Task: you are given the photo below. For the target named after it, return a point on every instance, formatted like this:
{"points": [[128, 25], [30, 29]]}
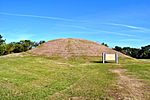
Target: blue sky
{"points": [[115, 22]]}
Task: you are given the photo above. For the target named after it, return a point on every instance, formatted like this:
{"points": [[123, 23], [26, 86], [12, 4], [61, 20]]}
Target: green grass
{"points": [[38, 78], [146, 60], [141, 69], [28, 78]]}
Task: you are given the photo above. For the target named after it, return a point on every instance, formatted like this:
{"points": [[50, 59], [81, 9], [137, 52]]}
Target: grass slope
{"points": [[30, 77], [140, 69]]}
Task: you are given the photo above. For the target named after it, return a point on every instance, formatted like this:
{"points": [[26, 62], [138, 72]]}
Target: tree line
{"points": [[16, 47], [140, 53], [25, 45]]}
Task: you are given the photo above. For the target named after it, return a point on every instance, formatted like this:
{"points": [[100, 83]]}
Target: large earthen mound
{"points": [[70, 47]]}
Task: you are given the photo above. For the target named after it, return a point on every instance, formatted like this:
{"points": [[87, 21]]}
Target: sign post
{"points": [[103, 57], [116, 57], [110, 57]]}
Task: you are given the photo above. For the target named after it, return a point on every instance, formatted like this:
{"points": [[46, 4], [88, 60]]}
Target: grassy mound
{"points": [[71, 48]]}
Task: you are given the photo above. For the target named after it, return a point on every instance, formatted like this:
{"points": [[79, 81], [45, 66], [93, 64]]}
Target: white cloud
{"points": [[131, 40], [124, 25], [130, 26], [37, 16], [117, 33]]}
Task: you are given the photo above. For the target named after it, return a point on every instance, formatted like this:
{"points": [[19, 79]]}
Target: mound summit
{"points": [[71, 47]]}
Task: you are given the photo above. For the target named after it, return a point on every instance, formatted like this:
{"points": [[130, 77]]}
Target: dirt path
{"points": [[128, 87]]}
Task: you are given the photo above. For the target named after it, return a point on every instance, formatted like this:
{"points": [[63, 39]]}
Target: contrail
{"points": [[124, 25], [131, 27], [140, 29], [117, 33], [36, 16]]}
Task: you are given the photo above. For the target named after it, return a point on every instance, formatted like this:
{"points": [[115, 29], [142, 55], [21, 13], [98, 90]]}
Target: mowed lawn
{"points": [[28, 78], [141, 69], [38, 78]]}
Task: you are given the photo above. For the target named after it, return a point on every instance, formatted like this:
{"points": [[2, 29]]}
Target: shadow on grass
{"points": [[99, 62], [96, 61]]}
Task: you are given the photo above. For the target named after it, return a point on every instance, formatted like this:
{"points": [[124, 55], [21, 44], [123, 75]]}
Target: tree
{"points": [[9, 48], [2, 45], [41, 42], [16, 47], [104, 44], [2, 49], [2, 41], [117, 48], [145, 52], [27, 44], [38, 43]]}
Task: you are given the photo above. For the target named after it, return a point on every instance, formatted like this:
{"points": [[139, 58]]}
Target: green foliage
{"points": [[26, 44], [104, 44], [2, 49], [2, 41], [8, 48], [144, 52], [38, 43], [117, 48], [2, 46], [16, 47]]}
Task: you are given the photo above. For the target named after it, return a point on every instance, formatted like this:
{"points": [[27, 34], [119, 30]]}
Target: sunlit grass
{"points": [[31, 78]]}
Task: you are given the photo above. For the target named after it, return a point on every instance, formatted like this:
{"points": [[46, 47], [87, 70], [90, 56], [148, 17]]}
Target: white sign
{"points": [[110, 57]]}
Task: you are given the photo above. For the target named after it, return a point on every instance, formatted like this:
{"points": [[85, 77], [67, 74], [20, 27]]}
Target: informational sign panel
{"points": [[109, 57]]}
